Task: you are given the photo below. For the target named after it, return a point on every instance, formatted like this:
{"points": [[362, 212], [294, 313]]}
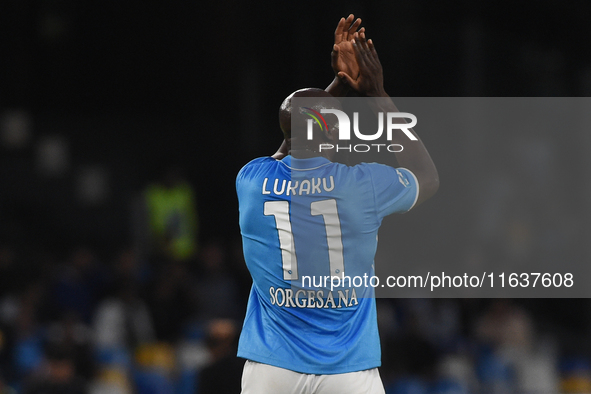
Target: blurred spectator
{"points": [[79, 284], [129, 267], [57, 377], [505, 325], [28, 344], [123, 321], [173, 300], [576, 375], [75, 337], [156, 367], [224, 374], [531, 361], [111, 381], [437, 320], [458, 371], [217, 288], [495, 374], [172, 216]]}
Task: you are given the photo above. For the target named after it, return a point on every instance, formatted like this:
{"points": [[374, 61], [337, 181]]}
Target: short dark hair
{"points": [[325, 100]]}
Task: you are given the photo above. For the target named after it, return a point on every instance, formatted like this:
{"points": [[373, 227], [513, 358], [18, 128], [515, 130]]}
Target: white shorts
{"points": [[260, 378]]}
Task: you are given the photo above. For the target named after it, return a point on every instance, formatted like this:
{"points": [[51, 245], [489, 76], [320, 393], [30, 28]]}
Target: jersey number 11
{"points": [[332, 225]]}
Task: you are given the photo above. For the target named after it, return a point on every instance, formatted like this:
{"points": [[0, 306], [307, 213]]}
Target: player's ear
{"points": [[332, 132]]}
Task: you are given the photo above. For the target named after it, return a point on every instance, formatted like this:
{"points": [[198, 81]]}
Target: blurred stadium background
{"points": [[123, 124]]}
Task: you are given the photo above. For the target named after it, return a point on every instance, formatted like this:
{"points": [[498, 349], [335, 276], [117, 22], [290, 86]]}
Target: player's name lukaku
{"points": [[305, 186], [292, 298]]}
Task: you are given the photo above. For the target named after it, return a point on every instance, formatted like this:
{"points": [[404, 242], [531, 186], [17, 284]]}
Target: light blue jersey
{"points": [[329, 215]]}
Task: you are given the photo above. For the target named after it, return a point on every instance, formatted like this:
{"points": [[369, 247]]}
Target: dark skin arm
{"points": [[370, 82], [282, 151], [342, 59]]}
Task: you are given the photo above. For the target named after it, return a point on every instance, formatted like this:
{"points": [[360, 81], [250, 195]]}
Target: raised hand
{"points": [[343, 57], [370, 80]]}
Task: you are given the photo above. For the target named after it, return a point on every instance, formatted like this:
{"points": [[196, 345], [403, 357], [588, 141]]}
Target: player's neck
{"points": [[306, 154], [303, 153]]}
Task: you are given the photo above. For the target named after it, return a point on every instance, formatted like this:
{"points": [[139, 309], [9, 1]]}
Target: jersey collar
{"points": [[305, 164]]}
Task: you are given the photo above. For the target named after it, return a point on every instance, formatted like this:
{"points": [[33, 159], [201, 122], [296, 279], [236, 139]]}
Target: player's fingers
{"points": [[373, 51], [338, 33], [334, 54], [355, 25], [363, 49], [363, 41], [347, 79], [367, 49], [370, 61], [359, 32], [372, 54], [347, 24], [353, 28], [361, 58]]}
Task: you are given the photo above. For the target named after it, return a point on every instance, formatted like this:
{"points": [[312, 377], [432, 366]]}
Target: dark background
{"points": [[134, 86]]}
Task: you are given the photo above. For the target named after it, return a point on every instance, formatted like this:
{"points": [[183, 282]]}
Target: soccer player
{"points": [[298, 341]]}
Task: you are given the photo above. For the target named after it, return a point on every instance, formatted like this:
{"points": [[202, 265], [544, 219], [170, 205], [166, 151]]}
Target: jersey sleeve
{"points": [[251, 166], [395, 189]]}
